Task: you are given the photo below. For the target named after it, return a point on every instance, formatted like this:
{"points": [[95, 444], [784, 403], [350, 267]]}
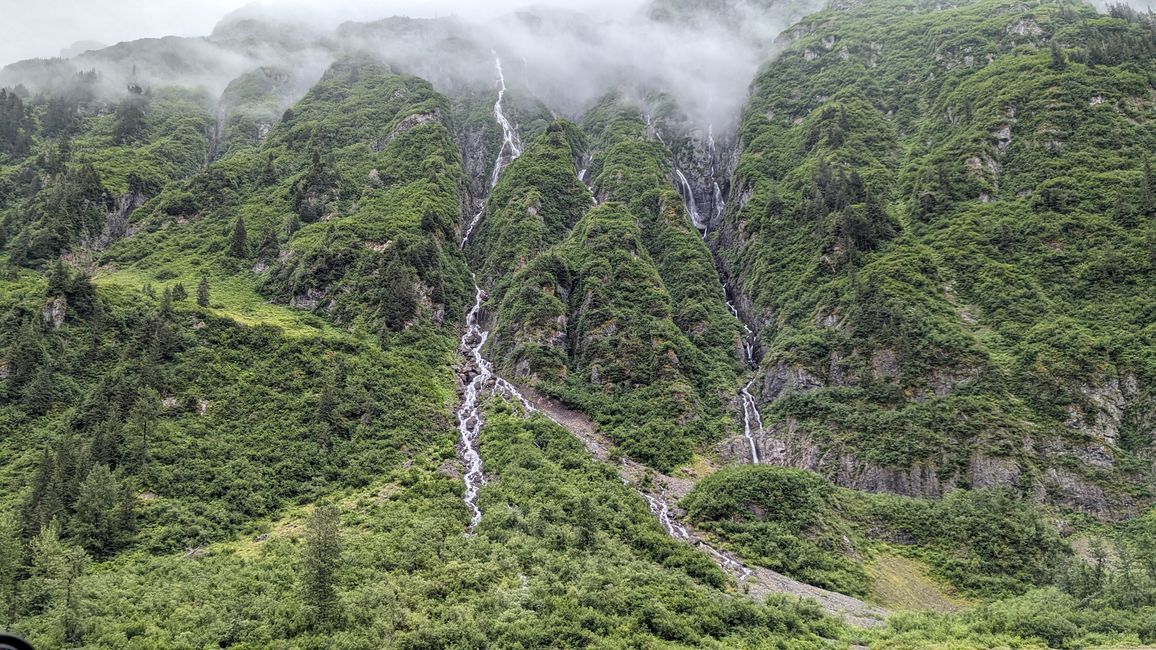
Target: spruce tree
{"points": [[321, 555], [96, 524], [46, 571], [26, 355], [141, 428], [203, 292], [41, 394], [237, 245], [179, 292], [46, 502], [11, 556]]}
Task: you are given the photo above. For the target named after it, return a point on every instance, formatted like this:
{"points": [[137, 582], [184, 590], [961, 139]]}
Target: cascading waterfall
{"points": [[470, 228], [691, 206], [510, 151], [660, 508], [470, 420], [750, 407], [511, 146], [751, 413], [749, 339], [752, 420]]}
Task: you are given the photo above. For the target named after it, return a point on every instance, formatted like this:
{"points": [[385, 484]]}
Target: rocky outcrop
{"points": [[310, 299], [116, 222], [783, 380], [54, 311], [1105, 405]]}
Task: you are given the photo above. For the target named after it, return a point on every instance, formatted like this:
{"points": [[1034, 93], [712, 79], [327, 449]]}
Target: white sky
{"points": [[42, 28]]}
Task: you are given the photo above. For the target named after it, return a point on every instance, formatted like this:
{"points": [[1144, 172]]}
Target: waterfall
{"points": [[751, 412], [469, 413], [470, 228], [510, 151], [660, 508], [691, 206], [470, 421], [511, 146]]}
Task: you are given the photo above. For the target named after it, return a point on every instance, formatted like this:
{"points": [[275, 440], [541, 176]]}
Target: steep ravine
{"points": [[659, 491], [711, 167]]}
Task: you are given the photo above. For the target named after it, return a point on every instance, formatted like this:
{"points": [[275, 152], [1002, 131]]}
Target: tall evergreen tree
{"points": [[203, 292], [41, 393], [46, 502], [141, 427], [47, 570], [96, 524], [238, 246], [321, 555], [11, 555]]}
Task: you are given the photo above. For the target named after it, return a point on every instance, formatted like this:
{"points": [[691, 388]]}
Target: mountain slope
{"points": [[943, 243]]}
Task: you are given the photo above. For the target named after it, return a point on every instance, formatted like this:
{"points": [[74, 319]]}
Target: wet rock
{"points": [[783, 380]]}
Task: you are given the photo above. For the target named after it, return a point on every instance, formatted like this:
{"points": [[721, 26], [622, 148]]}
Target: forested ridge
{"points": [[888, 333]]}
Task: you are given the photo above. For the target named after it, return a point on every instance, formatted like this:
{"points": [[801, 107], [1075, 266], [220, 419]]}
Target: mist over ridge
{"points": [[566, 54]]}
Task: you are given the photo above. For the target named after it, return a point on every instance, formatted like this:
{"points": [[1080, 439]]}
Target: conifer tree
{"points": [[11, 555], [321, 555], [96, 524], [203, 292], [46, 502], [41, 394], [237, 245], [46, 571], [141, 427]]}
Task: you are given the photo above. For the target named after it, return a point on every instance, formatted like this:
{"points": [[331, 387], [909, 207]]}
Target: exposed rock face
{"points": [[783, 380], [1109, 405], [116, 225], [406, 124], [1105, 405], [54, 311], [788, 445], [308, 300]]}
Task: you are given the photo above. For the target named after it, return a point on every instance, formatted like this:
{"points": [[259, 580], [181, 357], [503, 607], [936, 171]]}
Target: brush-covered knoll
{"points": [[566, 555], [249, 107], [348, 207], [610, 344], [631, 164], [1031, 584], [940, 226], [985, 543], [150, 425], [378, 203]]}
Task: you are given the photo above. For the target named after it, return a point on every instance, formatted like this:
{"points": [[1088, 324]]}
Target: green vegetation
{"points": [[612, 308], [229, 330], [981, 544], [944, 220]]}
